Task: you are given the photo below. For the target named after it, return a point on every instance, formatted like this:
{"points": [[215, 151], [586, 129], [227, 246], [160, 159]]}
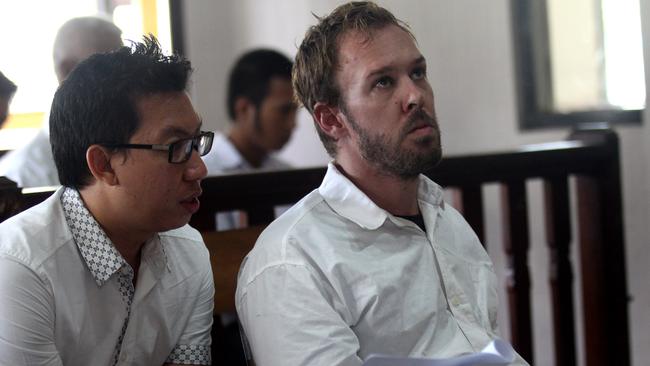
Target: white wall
{"points": [[468, 48]]}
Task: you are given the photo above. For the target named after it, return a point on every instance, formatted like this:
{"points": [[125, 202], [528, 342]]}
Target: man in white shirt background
{"points": [[32, 164], [106, 271], [263, 114], [262, 110], [261, 106], [373, 261]]}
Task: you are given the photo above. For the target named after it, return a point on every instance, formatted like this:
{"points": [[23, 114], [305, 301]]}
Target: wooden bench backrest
{"points": [[227, 250]]}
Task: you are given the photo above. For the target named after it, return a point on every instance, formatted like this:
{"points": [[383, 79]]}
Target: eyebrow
{"points": [[174, 131], [386, 69]]}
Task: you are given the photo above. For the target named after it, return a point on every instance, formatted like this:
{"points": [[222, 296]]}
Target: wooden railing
{"points": [[591, 157]]}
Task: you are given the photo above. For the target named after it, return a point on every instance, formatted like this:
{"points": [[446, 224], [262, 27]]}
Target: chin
{"points": [[173, 224]]}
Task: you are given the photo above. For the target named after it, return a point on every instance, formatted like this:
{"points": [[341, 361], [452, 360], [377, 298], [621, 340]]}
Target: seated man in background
{"points": [[32, 165], [373, 261], [263, 113], [7, 91], [106, 271]]}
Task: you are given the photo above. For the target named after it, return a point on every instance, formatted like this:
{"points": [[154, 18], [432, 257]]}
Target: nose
{"points": [[195, 169], [414, 96]]}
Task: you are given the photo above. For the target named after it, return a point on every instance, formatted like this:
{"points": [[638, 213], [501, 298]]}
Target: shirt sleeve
{"points": [[193, 347], [26, 318], [290, 319]]}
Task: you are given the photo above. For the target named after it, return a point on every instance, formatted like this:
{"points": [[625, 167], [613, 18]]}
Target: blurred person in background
{"points": [[7, 91], [32, 165], [263, 114]]}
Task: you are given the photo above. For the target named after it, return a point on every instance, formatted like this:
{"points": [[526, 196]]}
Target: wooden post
{"points": [[472, 209], [602, 253], [516, 243], [558, 234]]}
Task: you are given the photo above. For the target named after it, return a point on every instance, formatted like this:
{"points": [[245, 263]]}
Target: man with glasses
{"points": [[107, 271]]}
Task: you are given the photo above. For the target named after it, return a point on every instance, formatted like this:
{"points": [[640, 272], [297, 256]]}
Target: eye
{"points": [[419, 73], [384, 82]]}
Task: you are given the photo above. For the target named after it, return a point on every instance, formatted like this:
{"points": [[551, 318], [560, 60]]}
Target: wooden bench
{"points": [[590, 157]]}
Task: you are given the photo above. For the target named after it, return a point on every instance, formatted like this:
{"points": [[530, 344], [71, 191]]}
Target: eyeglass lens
{"points": [[182, 150]]}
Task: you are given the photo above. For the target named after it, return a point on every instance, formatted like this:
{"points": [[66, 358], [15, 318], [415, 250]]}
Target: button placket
{"points": [[125, 280]]}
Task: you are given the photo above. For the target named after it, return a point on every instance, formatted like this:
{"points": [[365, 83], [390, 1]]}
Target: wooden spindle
{"points": [[472, 209], [516, 243], [558, 234]]}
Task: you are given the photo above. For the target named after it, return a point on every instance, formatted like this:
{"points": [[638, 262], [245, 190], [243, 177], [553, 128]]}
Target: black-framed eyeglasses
{"points": [[179, 151]]}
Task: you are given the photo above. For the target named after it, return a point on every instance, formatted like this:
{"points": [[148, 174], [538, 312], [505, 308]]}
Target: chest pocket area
{"points": [[473, 284]]}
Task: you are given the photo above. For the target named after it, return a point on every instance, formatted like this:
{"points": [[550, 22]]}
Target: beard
{"points": [[392, 157]]}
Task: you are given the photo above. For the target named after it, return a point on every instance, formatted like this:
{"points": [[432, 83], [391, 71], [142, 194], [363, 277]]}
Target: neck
{"points": [[394, 194], [242, 141], [127, 240]]}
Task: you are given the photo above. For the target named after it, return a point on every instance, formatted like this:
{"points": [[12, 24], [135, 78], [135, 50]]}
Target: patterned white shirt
{"points": [[337, 278], [67, 295]]}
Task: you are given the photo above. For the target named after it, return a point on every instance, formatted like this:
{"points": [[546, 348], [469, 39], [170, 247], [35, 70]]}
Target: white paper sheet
{"points": [[497, 353]]}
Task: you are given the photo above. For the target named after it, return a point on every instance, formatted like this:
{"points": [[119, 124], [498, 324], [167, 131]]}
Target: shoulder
{"points": [[223, 156], [184, 239], [289, 240], [275, 163]]}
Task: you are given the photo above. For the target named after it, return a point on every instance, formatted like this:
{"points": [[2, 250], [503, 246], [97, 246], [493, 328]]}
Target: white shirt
{"points": [[31, 165], [337, 278], [67, 298], [224, 158]]}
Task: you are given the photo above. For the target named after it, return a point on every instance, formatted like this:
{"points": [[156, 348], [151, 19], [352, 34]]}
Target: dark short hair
{"points": [[97, 102], [7, 87], [251, 75], [314, 74]]}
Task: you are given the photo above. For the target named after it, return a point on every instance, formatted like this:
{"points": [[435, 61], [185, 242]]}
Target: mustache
{"points": [[419, 118]]}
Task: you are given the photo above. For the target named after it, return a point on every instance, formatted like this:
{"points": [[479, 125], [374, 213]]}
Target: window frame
{"points": [[529, 26]]}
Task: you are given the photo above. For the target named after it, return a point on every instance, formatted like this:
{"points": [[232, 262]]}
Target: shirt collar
{"points": [[229, 156], [97, 250], [350, 202]]}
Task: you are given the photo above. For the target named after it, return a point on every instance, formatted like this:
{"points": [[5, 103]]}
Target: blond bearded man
{"points": [[373, 261]]}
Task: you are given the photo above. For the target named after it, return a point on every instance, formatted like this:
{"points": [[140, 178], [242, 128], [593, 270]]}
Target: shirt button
{"points": [[455, 301]]}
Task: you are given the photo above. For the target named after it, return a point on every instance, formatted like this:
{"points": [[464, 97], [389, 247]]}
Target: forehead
{"points": [[165, 115], [384, 47], [279, 88]]}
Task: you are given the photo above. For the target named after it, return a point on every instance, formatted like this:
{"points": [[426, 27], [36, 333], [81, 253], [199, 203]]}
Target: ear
{"points": [[329, 120], [244, 109], [98, 159]]}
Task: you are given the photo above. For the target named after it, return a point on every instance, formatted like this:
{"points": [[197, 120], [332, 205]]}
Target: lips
{"points": [[419, 120], [191, 203], [420, 127]]}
